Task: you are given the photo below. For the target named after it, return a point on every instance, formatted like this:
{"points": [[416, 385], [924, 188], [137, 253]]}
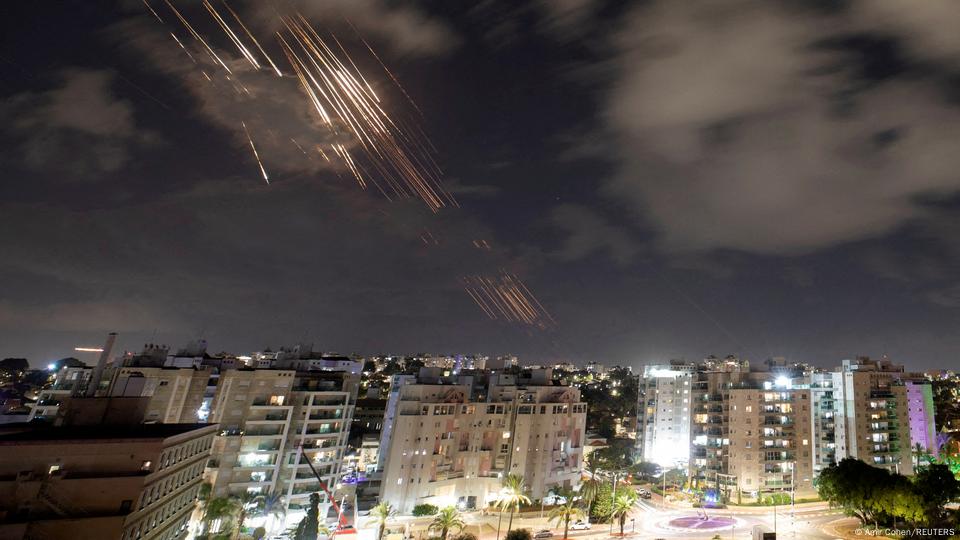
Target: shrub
{"points": [[465, 536], [421, 510], [518, 534], [259, 533], [602, 505]]}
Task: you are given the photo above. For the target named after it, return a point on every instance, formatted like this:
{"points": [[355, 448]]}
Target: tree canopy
{"points": [[875, 495]]}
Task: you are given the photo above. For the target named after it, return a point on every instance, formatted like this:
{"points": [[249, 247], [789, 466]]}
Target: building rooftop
{"points": [[18, 433]]}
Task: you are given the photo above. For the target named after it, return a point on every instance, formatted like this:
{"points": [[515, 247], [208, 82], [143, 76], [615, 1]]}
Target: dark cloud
{"points": [[405, 29], [728, 135], [588, 233], [79, 127], [233, 257], [672, 179]]}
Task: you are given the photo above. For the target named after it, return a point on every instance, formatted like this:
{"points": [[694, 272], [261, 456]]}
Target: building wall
{"points": [[175, 393], [447, 449], [876, 420], [253, 409], [663, 415], [770, 442], [67, 382], [920, 412], [103, 488], [165, 503], [272, 422]]}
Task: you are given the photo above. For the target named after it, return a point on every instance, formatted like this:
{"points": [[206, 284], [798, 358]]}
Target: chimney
{"points": [[94, 384]]}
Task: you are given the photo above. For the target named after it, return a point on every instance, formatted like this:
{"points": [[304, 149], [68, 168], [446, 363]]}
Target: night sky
{"points": [[672, 179]]}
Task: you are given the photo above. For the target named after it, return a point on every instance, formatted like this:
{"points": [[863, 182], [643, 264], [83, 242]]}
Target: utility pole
{"points": [[613, 500], [663, 494], [774, 516], [793, 500]]}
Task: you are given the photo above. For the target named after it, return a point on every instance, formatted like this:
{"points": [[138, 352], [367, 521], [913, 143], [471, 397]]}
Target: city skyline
{"points": [[89, 353], [661, 195]]}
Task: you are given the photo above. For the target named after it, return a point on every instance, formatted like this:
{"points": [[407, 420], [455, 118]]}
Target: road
{"points": [[650, 520]]}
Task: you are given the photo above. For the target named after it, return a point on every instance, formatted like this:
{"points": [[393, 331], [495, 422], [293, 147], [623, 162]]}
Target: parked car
{"points": [[581, 525], [644, 493], [545, 533]]}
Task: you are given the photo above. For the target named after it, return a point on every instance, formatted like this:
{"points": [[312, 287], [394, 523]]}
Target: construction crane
{"points": [[342, 525]]}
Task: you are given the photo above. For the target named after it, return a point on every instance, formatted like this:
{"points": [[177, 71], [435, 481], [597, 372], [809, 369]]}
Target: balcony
{"points": [[777, 484], [264, 402], [326, 415], [443, 476]]}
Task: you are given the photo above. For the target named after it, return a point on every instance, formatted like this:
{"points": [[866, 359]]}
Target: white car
{"points": [[581, 525], [543, 534]]}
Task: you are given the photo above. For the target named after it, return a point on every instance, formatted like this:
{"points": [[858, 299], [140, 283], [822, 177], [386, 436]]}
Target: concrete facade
{"points": [[271, 423], [90, 482], [445, 448]]}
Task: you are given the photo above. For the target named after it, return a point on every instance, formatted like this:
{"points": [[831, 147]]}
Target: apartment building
{"points": [[94, 482], [876, 416], [774, 428], [445, 445], [920, 416], [272, 422], [174, 383], [67, 382], [826, 414], [175, 394], [663, 413], [770, 438]]}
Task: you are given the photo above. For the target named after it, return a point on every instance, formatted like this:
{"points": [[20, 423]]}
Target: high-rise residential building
{"points": [[877, 423], [397, 382], [826, 413], [663, 413], [272, 422], [770, 440], [445, 445], [774, 428], [94, 482], [920, 415]]}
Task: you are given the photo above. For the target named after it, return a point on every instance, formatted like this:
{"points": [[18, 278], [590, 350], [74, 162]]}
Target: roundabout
{"points": [[699, 523]]}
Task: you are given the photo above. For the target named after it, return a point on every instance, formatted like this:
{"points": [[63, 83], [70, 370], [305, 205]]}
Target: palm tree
{"points": [[622, 506], [448, 518], [219, 508], [272, 507], [246, 501], [380, 514], [511, 496], [567, 511], [921, 457], [590, 488]]}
